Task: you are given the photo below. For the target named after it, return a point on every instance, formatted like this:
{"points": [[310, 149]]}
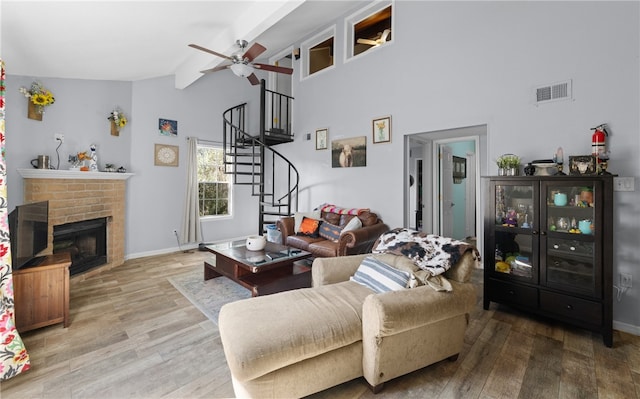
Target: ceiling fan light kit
{"points": [[242, 70]]}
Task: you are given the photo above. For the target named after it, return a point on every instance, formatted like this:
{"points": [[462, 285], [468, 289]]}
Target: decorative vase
{"points": [[114, 129], [34, 111], [529, 170], [512, 171]]}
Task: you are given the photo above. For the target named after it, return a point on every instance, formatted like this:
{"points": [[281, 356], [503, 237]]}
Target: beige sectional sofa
{"points": [[296, 343]]}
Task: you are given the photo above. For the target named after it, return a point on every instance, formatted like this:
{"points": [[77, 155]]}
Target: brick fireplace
{"points": [[78, 196]]}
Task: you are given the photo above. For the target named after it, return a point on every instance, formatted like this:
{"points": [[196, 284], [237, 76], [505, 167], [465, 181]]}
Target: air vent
{"points": [[553, 92]]}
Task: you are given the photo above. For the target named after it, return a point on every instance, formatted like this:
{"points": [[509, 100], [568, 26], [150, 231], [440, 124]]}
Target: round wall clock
{"points": [[166, 155]]}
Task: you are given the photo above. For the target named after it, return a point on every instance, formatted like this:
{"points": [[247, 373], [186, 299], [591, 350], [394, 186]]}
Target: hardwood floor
{"points": [[132, 334]]}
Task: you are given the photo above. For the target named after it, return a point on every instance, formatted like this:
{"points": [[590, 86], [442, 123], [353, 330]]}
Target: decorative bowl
{"points": [[256, 243]]}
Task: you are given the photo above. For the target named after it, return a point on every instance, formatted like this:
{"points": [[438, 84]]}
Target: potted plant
{"points": [[508, 165]]}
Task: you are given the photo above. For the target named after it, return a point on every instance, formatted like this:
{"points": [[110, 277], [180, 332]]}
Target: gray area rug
{"points": [[208, 296]]}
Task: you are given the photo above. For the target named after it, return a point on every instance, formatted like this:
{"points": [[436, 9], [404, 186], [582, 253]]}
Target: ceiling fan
{"points": [[376, 42], [241, 61]]}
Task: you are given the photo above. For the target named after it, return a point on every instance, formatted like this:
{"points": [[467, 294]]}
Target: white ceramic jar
{"points": [[256, 243]]}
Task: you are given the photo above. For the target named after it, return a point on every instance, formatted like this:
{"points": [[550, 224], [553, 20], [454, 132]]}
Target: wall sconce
{"points": [[296, 53]]}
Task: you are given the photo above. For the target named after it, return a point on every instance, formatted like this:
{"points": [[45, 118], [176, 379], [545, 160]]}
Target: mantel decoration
{"points": [[38, 98], [508, 165], [118, 121], [78, 161]]}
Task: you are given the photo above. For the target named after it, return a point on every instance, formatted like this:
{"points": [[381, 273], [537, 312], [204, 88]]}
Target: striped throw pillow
{"points": [[380, 277]]}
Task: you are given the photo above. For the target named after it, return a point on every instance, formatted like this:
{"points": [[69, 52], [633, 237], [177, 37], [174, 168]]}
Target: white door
{"points": [[446, 191]]}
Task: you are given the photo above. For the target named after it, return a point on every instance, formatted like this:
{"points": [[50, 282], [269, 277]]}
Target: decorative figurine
{"points": [[93, 159]]}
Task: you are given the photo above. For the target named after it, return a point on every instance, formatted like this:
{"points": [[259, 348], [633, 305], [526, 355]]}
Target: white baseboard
{"points": [[185, 247], [628, 328]]}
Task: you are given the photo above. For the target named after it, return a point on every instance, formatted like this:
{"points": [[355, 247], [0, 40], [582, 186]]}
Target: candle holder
{"points": [[558, 158]]}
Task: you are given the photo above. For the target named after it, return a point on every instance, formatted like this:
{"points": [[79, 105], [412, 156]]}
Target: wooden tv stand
{"points": [[41, 293]]}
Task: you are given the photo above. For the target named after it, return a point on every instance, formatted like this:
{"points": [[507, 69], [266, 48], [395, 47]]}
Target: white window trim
{"points": [[209, 218], [314, 41], [364, 13]]}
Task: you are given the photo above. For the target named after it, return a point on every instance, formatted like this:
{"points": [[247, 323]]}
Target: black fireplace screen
{"points": [[85, 241]]}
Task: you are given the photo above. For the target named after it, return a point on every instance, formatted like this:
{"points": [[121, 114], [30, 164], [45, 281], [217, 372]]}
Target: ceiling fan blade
{"points": [[385, 34], [254, 51], [218, 68], [273, 68], [253, 79], [367, 41], [206, 50]]}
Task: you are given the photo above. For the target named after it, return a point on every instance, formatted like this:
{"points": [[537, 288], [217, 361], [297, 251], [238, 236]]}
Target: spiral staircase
{"points": [[253, 161]]}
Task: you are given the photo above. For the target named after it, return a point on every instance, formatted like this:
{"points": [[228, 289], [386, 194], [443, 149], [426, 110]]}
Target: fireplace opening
{"points": [[85, 241]]}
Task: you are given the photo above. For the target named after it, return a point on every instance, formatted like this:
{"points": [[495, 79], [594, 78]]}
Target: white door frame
{"points": [[479, 133]]}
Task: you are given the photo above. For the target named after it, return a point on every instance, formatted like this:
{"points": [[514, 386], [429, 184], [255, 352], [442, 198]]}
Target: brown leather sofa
{"points": [[358, 241]]}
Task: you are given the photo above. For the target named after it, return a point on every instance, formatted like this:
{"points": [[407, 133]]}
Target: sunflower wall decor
{"points": [[38, 98]]}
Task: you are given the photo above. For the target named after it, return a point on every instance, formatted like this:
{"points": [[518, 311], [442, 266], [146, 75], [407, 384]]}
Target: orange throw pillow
{"points": [[309, 227]]}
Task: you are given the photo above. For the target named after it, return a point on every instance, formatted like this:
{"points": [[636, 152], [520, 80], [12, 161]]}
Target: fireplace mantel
{"points": [[71, 174]]}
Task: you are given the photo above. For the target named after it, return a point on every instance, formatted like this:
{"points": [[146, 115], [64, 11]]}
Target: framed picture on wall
{"points": [[381, 130], [165, 155], [167, 127], [347, 153], [321, 139]]}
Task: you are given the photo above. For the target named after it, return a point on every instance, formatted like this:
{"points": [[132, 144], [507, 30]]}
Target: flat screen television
{"points": [[29, 233]]}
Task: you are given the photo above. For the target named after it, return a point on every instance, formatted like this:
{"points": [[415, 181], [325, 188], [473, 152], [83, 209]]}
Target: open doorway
{"points": [[280, 82], [448, 199]]}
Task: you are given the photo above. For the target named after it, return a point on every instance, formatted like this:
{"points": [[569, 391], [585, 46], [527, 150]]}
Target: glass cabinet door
{"points": [[515, 231], [570, 223]]}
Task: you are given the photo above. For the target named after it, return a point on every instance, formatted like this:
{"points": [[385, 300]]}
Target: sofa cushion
{"points": [[330, 231], [332, 218], [303, 242], [368, 218], [352, 224], [323, 248], [309, 227], [298, 216], [462, 270], [335, 322], [399, 262], [380, 277]]}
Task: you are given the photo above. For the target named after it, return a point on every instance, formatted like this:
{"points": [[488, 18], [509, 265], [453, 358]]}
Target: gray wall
{"points": [[456, 64], [156, 193]]}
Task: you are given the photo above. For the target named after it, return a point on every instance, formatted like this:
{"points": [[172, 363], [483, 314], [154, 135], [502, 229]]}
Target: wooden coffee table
{"points": [[262, 272]]}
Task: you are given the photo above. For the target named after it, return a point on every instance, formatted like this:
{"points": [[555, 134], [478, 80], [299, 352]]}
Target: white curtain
{"points": [[191, 231]]}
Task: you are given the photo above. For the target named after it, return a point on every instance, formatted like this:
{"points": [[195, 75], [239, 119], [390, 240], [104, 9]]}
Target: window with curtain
{"points": [[214, 185]]}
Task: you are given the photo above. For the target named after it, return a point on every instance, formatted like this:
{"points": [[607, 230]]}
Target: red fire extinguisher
{"points": [[598, 140]]}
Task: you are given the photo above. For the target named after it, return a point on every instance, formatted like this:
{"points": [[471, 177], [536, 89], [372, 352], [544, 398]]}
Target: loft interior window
{"points": [[318, 52], [368, 29], [321, 56]]}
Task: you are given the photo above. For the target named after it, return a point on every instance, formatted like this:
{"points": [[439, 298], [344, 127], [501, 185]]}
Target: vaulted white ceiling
{"points": [[133, 40]]}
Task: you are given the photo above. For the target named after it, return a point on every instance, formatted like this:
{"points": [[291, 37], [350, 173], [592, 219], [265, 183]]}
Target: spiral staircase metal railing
{"points": [[253, 161]]}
